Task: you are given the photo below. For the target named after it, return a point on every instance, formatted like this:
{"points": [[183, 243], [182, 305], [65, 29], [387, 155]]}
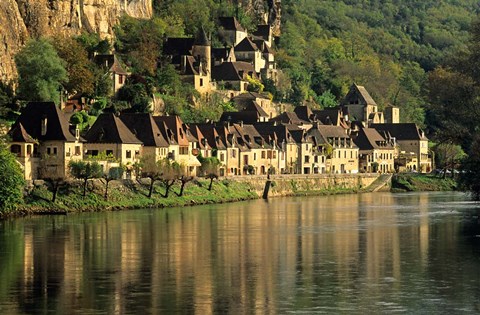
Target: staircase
{"points": [[382, 181]]}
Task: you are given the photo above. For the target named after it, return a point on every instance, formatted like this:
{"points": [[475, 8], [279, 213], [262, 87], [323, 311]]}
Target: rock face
{"points": [[266, 11], [21, 19]]}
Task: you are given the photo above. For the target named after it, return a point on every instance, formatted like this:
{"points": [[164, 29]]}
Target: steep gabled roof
{"points": [[212, 136], [19, 134], [175, 124], [263, 30], [404, 131], [253, 106], [178, 46], [108, 128], [358, 95], [112, 62], [246, 45], [304, 113], [370, 139], [248, 117], [233, 71], [230, 23], [289, 118], [201, 39], [145, 129], [34, 114]]}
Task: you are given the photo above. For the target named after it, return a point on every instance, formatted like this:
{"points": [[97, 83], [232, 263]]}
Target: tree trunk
{"points": [[55, 190], [211, 183], [180, 194], [168, 185], [106, 189], [85, 187], [150, 192]]}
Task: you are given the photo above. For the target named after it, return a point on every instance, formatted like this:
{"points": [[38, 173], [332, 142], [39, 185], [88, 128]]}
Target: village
{"points": [[260, 138]]}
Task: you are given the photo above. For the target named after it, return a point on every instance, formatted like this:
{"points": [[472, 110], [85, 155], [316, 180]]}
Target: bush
{"points": [[11, 181]]}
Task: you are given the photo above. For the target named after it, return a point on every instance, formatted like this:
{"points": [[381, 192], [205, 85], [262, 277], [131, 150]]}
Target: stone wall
{"points": [[288, 185]]}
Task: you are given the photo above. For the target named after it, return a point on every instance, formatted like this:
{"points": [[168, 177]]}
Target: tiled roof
{"points": [[112, 62], [369, 139], [233, 71], [57, 125], [246, 45], [404, 131], [263, 30], [19, 134], [248, 117], [108, 128], [230, 23], [145, 129], [358, 92]]}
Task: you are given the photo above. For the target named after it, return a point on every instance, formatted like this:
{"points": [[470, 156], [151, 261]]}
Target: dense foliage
{"points": [[11, 181]]}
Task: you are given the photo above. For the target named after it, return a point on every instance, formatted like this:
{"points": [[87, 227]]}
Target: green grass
{"points": [[69, 198], [421, 182]]}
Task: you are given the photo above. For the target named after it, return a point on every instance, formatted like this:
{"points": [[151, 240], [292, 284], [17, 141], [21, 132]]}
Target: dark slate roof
{"points": [[253, 106], [31, 120], [112, 62], [370, 139], [201, 39], [280, 132], [212, 136], [176, 126], [221, 53], [248, 117], [404, 131], [175, 46], [108, 128], [145, 129], [19, 134], [332, 131], [330, 116], [263, 30], [246, 45], [230, 23], [232, 71], [304, 113], [360, 94], [263, 47], [288, 118]]}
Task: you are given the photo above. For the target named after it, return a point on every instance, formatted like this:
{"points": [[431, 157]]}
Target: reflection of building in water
{"points": [[381, 237]]}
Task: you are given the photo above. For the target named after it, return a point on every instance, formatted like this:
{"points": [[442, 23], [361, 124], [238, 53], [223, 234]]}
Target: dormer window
{"points": [[44, 126]]}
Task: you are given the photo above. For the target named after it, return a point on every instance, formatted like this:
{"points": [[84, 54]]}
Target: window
{"points": [[201, 82], [315, 159], [263, 154], [109, 152], [129, 154], [274, 154], [234, 153], [77, 150], [183, 150], [29, 149], [254, 156], [222, 157], [137, 153], [16, 149], [269, 154], [120, 79], [69, 152], [307, 159]]}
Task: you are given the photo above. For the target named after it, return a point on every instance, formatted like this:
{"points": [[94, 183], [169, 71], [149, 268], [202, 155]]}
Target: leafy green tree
{"points": [[41, 72], [80, 68], [114, 173], [11, 181], [209, 168], [85, 171]]}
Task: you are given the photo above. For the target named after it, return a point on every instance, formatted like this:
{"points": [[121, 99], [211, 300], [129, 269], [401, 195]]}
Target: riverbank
{"points": [[123, 195], [126, 194], [422, 182]]}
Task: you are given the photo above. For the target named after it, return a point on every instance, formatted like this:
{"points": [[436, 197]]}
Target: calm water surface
{"points": [[353, 254]]}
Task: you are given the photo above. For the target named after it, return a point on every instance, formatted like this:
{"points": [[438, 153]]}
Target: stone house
{"points": [[248, 51], [110, 138], [413, 146], [114, 67], [233, 76], [231, 31], [44, 142], [360, 106], [376, 151]]}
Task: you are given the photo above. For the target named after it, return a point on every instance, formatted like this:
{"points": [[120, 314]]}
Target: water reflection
{"points": [[371, 252]]}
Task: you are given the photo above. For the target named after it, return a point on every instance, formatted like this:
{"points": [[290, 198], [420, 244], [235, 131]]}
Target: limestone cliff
{"points": [[21, 19]]}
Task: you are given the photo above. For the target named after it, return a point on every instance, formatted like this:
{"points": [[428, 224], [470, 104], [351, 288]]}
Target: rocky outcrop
{"points": [[21, 19]]}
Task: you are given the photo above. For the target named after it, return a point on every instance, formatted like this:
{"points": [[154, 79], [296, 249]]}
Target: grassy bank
{"points": [[129, 195], [421, 182]]}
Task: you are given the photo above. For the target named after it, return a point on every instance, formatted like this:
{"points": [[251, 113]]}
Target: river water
{"points": [[413, 253]]}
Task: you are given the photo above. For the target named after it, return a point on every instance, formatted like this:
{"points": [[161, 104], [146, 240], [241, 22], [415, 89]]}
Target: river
{"points": [[412, 253]]}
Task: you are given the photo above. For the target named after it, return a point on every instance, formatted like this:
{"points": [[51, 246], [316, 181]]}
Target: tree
{"points": [[448, 155], [41, 72], [80, 69], [85, 171], [183, 178], [209, 168], [150, 169], [170, 171], [11, 181], [52, 178], [114, 173]]}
